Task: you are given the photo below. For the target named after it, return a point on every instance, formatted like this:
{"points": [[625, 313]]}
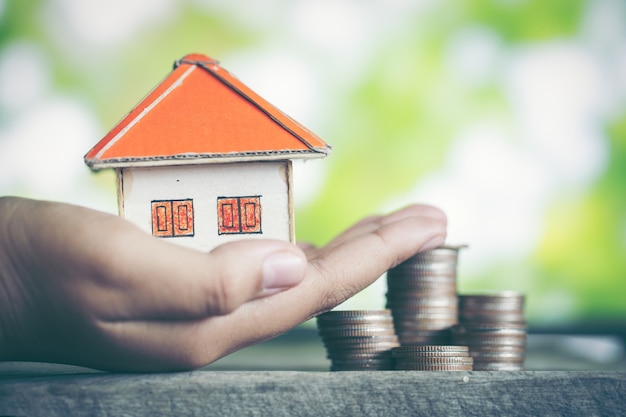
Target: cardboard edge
{"points": [[290, 202], [96, 165], [120, 191]]}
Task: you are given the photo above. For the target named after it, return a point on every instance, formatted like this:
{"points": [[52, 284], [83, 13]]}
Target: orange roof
{"points": [[199, 114]]}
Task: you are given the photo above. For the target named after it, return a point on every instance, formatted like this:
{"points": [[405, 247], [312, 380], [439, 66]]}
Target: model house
{"points": [[203, 160]]}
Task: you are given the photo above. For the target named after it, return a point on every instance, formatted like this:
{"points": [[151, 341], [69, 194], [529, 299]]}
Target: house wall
{"points": [[203, 184]]}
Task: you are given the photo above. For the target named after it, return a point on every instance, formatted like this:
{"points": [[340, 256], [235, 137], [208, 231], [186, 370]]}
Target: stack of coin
{"points": [[494, 328], [432, 358], [498, 307], [358, 339], [422, 295]]}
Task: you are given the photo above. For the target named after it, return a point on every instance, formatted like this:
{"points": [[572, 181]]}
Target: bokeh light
{"points": [[510, 115]]}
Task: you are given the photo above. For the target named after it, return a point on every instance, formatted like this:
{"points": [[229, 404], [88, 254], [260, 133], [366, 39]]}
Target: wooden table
{"points": [[61, 391], [287, 377]]}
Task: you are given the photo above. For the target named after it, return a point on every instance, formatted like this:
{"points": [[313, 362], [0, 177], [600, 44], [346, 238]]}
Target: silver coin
{"points": [[447, 291], [378, 321], [513, 350], [373, 327], [409, 339], [422, 275], [342, 316], [425, 324], [361, 341], [436, 360], [414, 314], [471, 317], [485, 342], [432, 367], [408, 309], [359, 355], [511, 329], [502, 301], [431, 348], [350, 331]]}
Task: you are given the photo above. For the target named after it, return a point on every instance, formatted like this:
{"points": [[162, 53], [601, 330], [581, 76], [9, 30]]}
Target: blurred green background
{"points": [[510, 115]]}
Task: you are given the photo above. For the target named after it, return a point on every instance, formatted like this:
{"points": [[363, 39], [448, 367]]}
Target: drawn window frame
{"points": [[239, 215], [173, 218]]}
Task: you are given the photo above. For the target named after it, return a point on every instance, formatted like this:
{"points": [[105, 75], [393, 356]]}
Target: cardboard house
{"points": [[203, 160]]}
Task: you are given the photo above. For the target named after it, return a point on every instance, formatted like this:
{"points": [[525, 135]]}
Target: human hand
{"points": [[83, 287]]}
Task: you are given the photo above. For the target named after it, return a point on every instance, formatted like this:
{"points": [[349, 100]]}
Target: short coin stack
{"points": [[432, 358], [358, 339], [422, 295], [494, 329]]}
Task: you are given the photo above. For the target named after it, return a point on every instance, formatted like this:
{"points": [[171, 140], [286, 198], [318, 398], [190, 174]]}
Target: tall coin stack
{"points": [[432, 358], [358, 339], [422, 296], [494, 329]]}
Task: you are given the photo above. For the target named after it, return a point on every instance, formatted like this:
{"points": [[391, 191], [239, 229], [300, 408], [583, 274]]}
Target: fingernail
{"points": [[433, 243], [283, 270]]}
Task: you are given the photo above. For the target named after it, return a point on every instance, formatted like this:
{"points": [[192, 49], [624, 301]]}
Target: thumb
{"points": [[209, 284], [249, 269]]}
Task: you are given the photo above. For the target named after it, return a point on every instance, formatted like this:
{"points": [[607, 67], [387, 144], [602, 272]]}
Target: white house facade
{"points": [[203, 206]]}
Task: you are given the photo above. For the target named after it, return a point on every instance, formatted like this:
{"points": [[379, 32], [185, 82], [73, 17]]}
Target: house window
{"points": [[239, 215], [172, 218]]}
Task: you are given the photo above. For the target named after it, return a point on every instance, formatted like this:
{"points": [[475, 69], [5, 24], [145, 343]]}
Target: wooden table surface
{"points": [[289, 377], [298, 393]]}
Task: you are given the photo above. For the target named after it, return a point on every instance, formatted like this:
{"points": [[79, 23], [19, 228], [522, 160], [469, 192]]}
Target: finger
{"points": [[370, 224], [153, 279], [307, 247], [374, 252]]}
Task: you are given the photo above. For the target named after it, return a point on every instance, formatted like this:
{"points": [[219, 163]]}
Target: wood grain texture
{"points": [[397, 393]]}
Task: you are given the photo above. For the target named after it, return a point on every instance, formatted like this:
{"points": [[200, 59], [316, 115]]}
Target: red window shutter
{"points": [[228, 217], [182, 213], [162, 218], [250, 214]]}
